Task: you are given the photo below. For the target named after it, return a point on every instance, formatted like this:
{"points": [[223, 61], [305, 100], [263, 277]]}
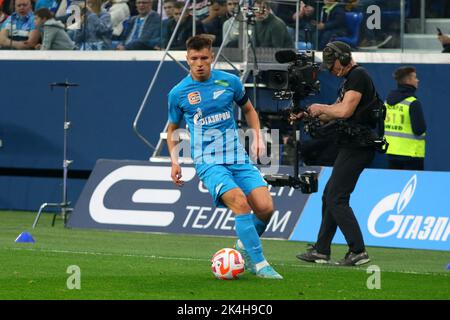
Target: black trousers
{"points": [[336, 211]]}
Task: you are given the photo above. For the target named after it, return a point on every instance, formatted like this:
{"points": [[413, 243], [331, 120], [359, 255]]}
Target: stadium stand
{"points": [[353, 21]]}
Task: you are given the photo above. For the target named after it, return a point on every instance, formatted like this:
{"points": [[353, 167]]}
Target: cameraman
{"points": [[356, 96]]}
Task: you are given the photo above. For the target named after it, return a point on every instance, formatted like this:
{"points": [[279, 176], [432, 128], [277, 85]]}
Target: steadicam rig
{"points": [[299, 81]]}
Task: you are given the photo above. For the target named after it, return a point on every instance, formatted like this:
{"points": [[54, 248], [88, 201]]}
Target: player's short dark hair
{"points": [[402, 73], [199, 42], [44, 13]]}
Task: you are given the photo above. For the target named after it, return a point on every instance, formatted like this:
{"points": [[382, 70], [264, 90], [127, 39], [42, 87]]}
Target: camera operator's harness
{"points": [[352, 134]]}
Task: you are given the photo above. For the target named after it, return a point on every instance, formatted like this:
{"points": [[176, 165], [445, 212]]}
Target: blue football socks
{"points": [[246, 232], [259, 225]]}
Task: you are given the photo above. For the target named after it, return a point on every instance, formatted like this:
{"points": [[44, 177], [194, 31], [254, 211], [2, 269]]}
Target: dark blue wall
{"points": [[103, 109]]}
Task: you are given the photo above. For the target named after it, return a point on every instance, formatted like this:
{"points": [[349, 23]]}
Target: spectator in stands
{"points": [[53, 33], [270, 31], [233, 36], [351, 5], [185, 28], [144, 30], [232, 8], [168, 8], [445, 40], [96, 28], [287, 12], [201, 9], [119, 12], [9, 6], [3, 14], [19, 30], [332, 22], [213, 23], [52, 5], [405, 124]]}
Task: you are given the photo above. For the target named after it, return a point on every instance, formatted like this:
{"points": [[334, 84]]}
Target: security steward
{"points": [[357, 95], [405, 125]]}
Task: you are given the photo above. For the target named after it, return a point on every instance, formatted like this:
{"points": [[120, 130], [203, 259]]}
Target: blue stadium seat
{"points": [[353, 21], [392, 15]]}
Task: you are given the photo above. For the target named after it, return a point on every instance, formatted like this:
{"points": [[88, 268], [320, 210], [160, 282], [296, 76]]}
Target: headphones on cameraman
{"points": [[343, 57]]}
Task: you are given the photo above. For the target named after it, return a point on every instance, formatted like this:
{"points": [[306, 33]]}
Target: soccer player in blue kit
{"points": [[205, 99]]}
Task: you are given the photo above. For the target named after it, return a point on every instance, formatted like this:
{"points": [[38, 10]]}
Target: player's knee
{"points": [[240, 204], [264, 209]]}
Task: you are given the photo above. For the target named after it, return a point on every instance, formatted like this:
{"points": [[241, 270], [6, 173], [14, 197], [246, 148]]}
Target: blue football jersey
{"points": [[208, 109]]}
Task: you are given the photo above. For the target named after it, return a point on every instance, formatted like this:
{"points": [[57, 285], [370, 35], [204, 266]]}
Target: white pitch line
{"points": [[207, 260], [106, 254]]}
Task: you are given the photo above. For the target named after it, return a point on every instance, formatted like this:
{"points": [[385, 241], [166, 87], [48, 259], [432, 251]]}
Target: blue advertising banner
{"points": [[405, 209], [140, 196]]}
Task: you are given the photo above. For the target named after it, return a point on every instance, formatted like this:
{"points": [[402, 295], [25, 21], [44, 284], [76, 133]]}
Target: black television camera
{"points": [[301, 78], [299, 81]]}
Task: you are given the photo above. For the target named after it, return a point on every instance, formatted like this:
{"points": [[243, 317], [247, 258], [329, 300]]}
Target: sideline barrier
{"points": [[394, 208], [404, 209], [140, 196]]}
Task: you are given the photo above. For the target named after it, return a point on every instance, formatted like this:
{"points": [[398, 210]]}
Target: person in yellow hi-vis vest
{"points": [[405, 124]]}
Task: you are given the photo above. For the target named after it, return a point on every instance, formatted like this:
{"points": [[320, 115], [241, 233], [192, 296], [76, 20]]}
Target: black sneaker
{"points": [[354, 259], [311, 255]]}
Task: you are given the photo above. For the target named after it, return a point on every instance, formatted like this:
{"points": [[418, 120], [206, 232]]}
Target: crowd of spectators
{"points": [[149, 24]]}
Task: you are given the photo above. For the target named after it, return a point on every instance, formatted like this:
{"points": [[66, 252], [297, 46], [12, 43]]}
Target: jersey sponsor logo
{"points": [[194, 97], [198, 115], [406, 226], [199, 120], [217, 94]]}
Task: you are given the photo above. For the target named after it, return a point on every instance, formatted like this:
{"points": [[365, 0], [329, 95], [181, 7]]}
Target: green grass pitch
{"points": [[129, 265]]}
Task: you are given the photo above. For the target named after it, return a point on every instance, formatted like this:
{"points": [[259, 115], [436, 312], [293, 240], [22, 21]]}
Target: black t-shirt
{"points": [[359, 80]]}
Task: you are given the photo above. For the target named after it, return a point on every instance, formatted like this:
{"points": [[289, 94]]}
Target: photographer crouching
{"points": [[352, 115]]}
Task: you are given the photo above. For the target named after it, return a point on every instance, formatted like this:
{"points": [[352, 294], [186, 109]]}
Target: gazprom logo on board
{"points": [[394, 208], [391, 215]]}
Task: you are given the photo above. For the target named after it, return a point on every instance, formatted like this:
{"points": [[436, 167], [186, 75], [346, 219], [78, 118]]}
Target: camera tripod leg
{"points": [[41, 208], [66, 213], [54, 218]]}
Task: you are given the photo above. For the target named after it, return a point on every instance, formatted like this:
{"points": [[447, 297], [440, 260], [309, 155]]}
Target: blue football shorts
{"points": [[221, 178]]}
